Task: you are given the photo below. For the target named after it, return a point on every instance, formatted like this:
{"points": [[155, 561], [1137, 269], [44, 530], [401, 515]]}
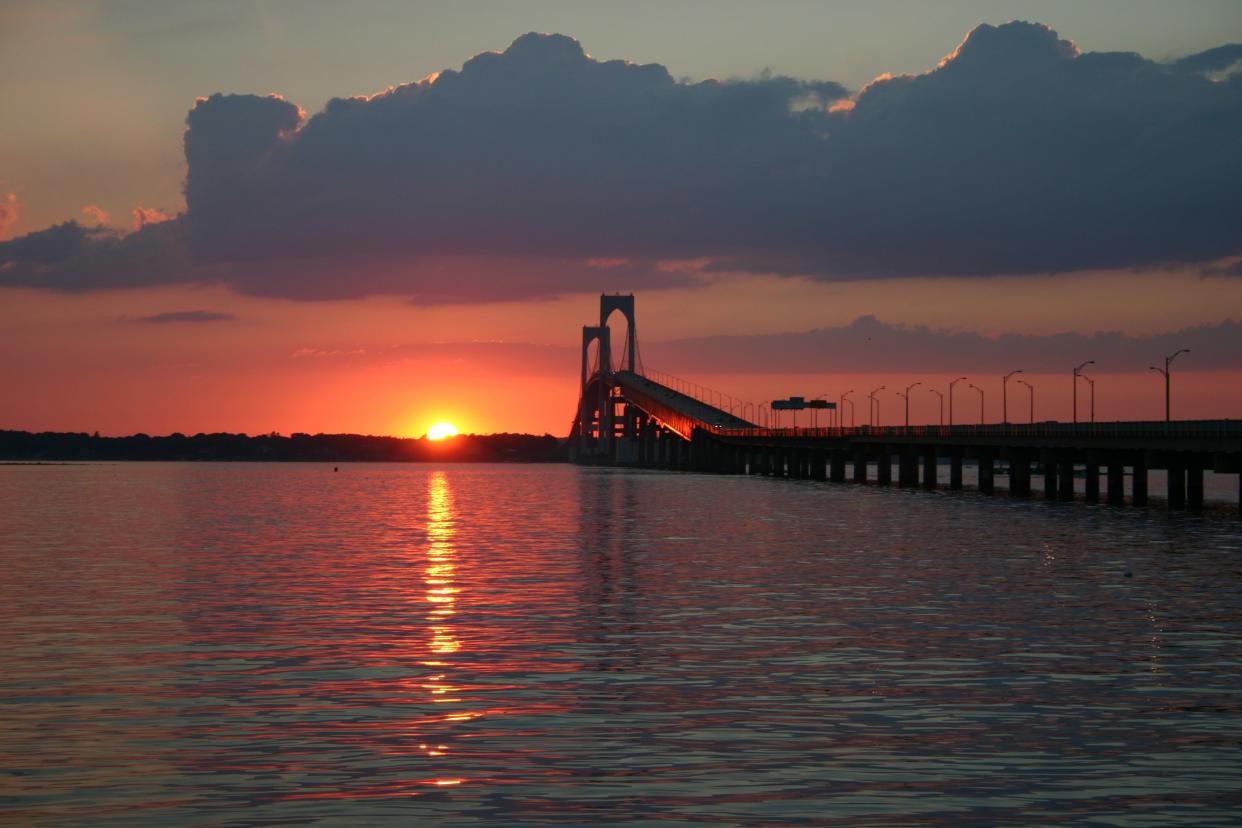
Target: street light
{"points": [[875, 405], [1091, 383], [1005, 395], [980, 390], [951, 384], [1030, 388], [941, 396], [1077, 374], [1167, 362], [905, 395], [841, 411]]}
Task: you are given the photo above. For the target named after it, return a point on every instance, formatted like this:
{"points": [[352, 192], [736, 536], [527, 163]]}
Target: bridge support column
{"points": [[955, 469], [1065, 469], [1116, 483], [930, 469], [1091, 482], [1049, 461], [1194, 485], [1138, 483], [819, 465], [837, 474], [1177, 485], [907, 469], [1019, 473], [987, 472], [884, 467], [860, 465]]}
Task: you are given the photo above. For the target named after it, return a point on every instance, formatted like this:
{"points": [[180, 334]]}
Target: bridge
{"points": [[628, 415]]}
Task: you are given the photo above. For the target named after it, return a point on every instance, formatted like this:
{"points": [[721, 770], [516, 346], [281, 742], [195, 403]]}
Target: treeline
{"points": [[477, 448]]}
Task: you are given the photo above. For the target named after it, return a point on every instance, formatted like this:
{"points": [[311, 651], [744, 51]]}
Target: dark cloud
{"points": [[186, 316], [869, 345], [73, 257], [1016, 154], [1213, 61]]}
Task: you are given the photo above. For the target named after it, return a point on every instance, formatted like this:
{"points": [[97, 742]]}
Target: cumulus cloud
{"points": [[95, 213], [540, 170], [149, 215], [186, 316], [870, 345]]}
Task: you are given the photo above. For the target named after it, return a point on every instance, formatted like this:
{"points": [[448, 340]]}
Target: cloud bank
{"points": [[518, 174], [868, 345]]}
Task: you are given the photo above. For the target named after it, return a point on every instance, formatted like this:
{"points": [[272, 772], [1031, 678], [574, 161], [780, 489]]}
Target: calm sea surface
{"points": [[237, 644]]}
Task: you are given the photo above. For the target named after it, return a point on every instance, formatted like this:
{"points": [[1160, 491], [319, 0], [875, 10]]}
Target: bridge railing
{"points": [[1183, 429], [745, 409]]}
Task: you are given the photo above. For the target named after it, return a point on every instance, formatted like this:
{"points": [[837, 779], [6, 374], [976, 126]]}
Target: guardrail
{"points": [[1178, 429]]}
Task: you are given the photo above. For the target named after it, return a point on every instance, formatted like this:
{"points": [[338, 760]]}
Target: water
{"points": [[236, 644]]}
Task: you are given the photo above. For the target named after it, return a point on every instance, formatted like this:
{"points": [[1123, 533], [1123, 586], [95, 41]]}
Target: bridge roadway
{"points": [[658, 426]]}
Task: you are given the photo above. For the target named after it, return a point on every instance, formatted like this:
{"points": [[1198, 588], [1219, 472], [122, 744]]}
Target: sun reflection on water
{"points": [[438, 576]]}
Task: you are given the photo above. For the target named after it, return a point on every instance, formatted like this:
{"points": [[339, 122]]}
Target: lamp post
{"points": [[1077, 374], [941, 396], [980, 390], [1030, 388], [875, 406], [1005, 395], [1091, 383], [841, 410], [951, 384], [1165, 372], [905, 395]]}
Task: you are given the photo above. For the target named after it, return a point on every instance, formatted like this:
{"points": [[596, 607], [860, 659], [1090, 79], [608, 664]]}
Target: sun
{"points": [[441, 430]]}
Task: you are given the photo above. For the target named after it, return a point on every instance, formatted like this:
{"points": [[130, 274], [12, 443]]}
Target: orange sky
{"points": [[381, 365]]}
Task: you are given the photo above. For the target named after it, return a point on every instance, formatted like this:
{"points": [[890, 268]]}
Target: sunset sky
{"points": [[370, 217]]}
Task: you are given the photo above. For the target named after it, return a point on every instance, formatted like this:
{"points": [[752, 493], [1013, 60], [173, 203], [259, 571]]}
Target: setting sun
{"points": [[441, 430]]}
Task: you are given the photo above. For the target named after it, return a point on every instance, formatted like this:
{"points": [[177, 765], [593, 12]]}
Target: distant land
{"points": [[326, 448]]}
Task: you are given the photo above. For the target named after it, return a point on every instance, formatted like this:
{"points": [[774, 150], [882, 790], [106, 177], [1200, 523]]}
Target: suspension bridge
{"points": [[629, 415]]}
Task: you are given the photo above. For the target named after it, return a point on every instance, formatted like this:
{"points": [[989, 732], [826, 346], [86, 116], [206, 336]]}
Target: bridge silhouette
{"points": [[629, 415]]}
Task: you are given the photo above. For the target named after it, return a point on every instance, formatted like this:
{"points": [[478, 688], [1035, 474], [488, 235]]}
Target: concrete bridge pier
{"points": [[1194, 485], [1116, 484], [837, 472], [1065, 471], [819, 465], [884, 467], [860, 464], [1019, 473], [1138, 483], [955, 469], [1049, 461], [907, 467], [1177, 485], [987, 472], [930, 469], [1091, 480]]}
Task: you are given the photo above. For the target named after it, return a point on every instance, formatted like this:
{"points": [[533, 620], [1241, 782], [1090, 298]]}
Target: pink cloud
{"points": [[148, 215], [95, 213]]}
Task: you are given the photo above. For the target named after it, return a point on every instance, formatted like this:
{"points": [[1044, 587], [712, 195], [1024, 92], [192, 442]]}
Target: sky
{"points": [[311, 217]]}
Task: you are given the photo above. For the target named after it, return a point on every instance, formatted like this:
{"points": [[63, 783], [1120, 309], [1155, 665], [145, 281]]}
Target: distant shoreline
{"points": [[25, 448]]}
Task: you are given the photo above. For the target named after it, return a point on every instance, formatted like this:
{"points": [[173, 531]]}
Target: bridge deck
{"points": [[703, 415]]}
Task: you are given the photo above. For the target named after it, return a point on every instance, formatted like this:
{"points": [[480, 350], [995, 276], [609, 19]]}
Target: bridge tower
{"points": [[597, 416], [592, 405], [624, 303]]}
